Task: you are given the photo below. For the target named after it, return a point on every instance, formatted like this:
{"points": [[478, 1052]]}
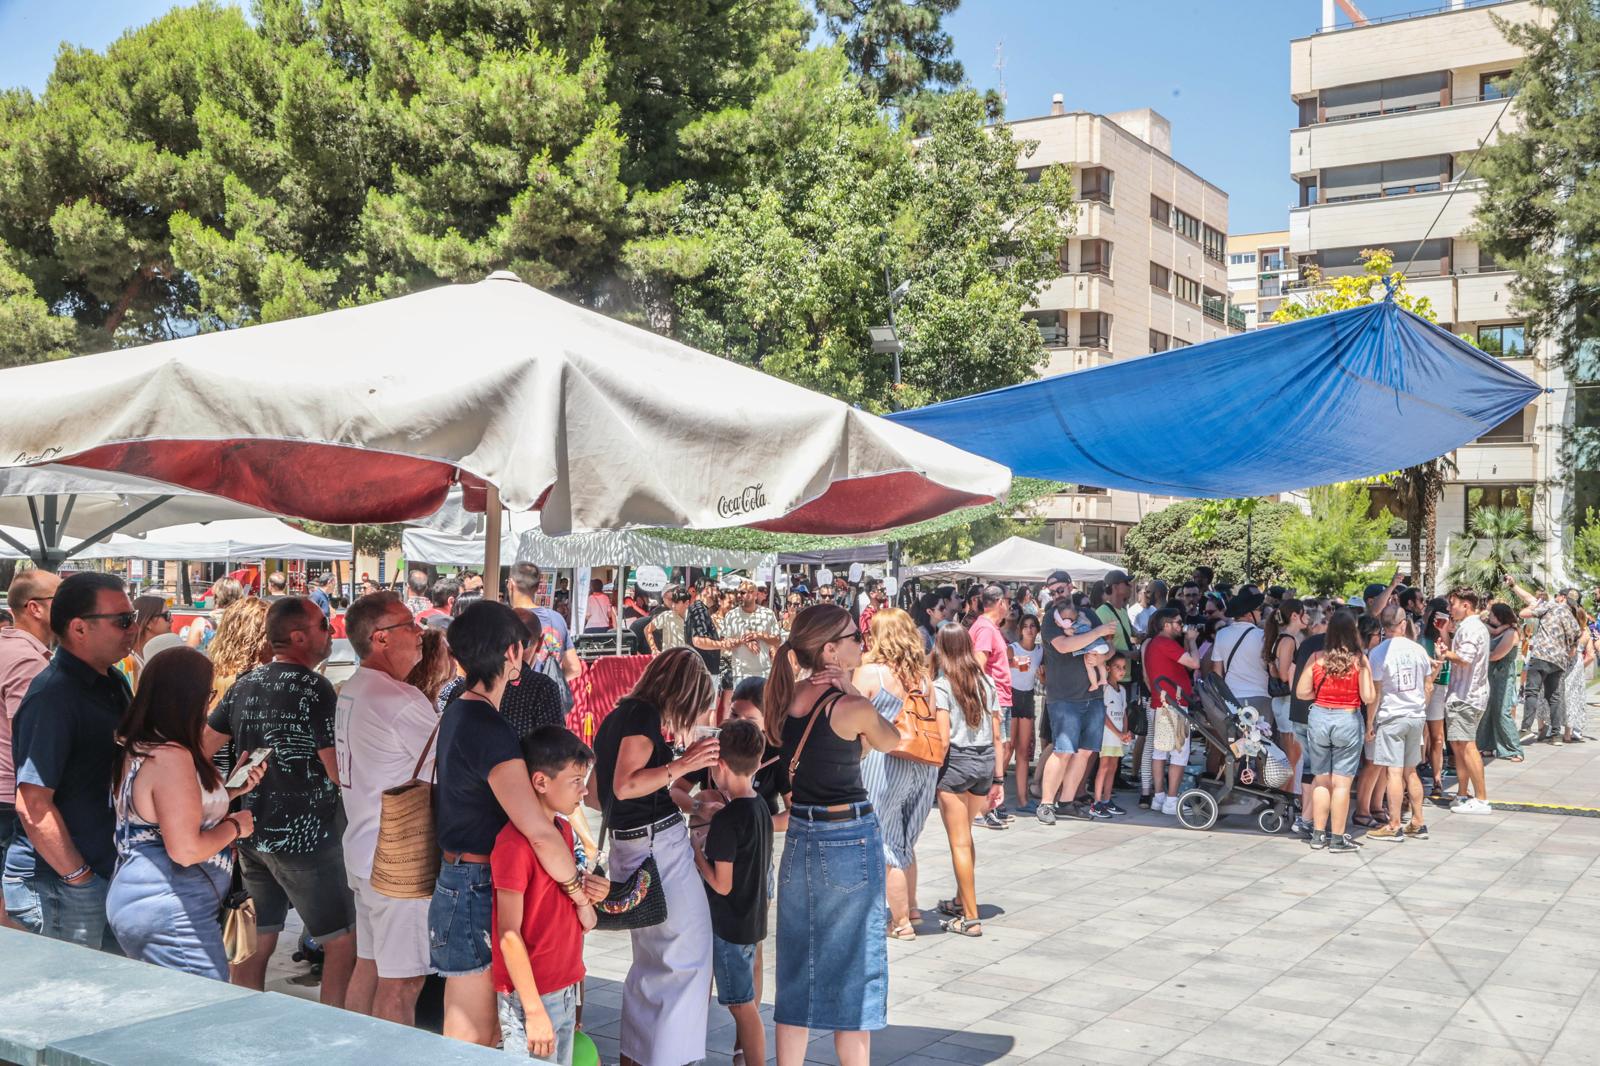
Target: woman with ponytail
{"points": [[1285, 623], [833, 967], [974, 772]]}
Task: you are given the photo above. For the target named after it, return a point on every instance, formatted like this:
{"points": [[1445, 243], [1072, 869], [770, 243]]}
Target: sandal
{"points": [[1365, 821], [914, 914], [962, 926], [951, 907], [1513, 758], [904, 932]]}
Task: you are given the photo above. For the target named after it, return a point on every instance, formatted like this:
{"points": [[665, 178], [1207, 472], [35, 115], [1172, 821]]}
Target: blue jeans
{"points": [[734, 966], [459, 919], [75, 913], [16, 858], [562, 1007], [1076, 725], [833, 959]]}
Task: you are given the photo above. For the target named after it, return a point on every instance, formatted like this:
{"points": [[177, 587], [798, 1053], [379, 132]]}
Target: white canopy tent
{"points": [[225, 541], [1018, 559]]}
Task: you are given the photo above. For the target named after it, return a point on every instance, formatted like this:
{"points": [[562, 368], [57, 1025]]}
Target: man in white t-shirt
{"points": [[1236, 653], [383, 737], [1468, 699], [1403, 676]]}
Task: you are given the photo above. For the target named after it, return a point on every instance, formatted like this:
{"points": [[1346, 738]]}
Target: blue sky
{"points": [[1219, 71]]}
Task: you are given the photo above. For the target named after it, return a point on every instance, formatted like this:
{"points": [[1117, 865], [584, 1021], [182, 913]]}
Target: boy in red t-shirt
{"points": [[538, 942]]}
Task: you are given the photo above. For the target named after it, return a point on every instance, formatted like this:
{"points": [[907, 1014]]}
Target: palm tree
{"points": [[1419, 488], [1497, 541]]}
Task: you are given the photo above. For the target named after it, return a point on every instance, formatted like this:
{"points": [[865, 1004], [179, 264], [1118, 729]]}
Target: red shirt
{"points": [[987, 638], [866, 626], [1165, 673], [1330, 691], [550, 924]]}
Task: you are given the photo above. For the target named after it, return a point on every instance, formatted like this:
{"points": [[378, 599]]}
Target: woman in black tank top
{"points": [[833, 967]]}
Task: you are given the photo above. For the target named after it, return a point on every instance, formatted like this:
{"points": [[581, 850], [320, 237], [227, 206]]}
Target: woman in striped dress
{"points": [[902, 791]]}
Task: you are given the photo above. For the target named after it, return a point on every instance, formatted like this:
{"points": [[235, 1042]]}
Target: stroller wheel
{"points": [[1270, 820], [1197, 809]]}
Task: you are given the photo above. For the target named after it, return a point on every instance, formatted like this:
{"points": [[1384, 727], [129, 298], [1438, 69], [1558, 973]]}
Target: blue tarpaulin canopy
{"points": [[1342, 396]]}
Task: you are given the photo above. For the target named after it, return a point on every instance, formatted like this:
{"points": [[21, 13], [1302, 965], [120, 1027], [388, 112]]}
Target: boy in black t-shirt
{"points": [[735, 860]]}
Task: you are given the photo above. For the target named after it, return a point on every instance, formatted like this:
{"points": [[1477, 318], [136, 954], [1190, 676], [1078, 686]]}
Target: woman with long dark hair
{"points": [[973, 772], [174, 834], [1497, 730], [643, 751], [1338, 682], [1436, 628], [833, 966], [1280, 639]]}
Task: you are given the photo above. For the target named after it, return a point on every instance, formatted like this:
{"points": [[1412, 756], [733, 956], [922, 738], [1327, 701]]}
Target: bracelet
{"points": [[79, 872], [574, 887], [238, 830]]}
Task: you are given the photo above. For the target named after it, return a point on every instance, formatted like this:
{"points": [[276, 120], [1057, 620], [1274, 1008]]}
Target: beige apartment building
{"points": [[1391, 112], [1145, 271], [1262, 273]]}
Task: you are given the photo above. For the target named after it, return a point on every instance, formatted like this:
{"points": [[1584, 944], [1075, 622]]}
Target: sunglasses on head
{"points": [[120, 619]]}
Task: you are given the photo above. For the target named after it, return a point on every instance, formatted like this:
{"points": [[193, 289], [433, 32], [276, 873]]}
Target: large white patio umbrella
{"points": [[1020, 559], [54, 513], [598, 424], [225, 541]]}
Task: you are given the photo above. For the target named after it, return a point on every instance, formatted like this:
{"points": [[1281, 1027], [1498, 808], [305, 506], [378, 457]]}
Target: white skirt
{"points": [[668, 991]]}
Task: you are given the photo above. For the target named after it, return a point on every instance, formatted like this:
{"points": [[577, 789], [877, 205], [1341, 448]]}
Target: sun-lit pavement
{"points": [[1137, 941]]}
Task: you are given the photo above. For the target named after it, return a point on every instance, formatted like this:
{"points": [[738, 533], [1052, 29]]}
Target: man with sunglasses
{"points": [[64, 742], [294, 857], [24, 653]]}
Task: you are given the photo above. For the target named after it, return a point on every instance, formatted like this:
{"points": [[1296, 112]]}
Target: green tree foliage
{"points": [[898, 47], [1163, 545], [787, 272], [1330, 550], [1584, 550], [370, 540], [1418, 487], [1497, 541]]}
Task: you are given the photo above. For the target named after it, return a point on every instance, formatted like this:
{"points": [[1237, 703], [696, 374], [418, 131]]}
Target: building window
{"points": [[1501, 497], [1426, 259], [1512, 431], [1094, 183], [1094, 257], [1159, 342], [1412, 92], [1270, 286], [1186, 289], [1052, 330], [1308, 192], [1160, 277], [1496, 85], [1214, 243], [1094, 330], [1272, 261], [1394, 177], [1091, 490], [1506, 341], [1099, 538], [1180, 343], [1160, 211], [1186, 224], [1241, 258]]}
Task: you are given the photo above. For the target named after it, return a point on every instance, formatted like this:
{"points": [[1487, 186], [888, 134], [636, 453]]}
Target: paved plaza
{"points": [[1137, 941]]}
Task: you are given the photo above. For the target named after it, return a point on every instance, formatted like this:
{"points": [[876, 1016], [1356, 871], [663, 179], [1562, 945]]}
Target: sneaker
{"points": [[1004, 815], [1387, 832], [1171, 806], [1046, 813], [1460, 802], [1111, 805], [1158, 802], [989, 820], [1473, 806], [1078, 812], [1417, 832], [1302, 828], [1342, 842], [1319, 839], [1145, 802], [1097, 811]]}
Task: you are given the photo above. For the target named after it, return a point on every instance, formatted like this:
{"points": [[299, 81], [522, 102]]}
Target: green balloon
{"points": [[584, 1053]]}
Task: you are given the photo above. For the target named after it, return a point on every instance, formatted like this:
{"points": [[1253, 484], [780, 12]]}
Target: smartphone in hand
{"points": [[241, 773]]}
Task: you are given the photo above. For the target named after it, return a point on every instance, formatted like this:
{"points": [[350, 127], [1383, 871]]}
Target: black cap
{"points": [[1373, 591], [1244, 603], [1058, 576], [1117, 577]]}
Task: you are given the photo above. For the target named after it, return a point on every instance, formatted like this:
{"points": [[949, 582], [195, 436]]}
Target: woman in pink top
{"points": [[600, 614]]}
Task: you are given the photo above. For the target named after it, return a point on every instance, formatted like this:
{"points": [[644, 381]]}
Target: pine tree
{"points": [[898, 47]]}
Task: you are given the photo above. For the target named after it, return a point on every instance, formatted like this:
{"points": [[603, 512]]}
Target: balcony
{"points": [[1499, 460], [1075, 292], [1236, 319], [1371, 223], [1214, 308], [1068, 360], [1434, 131]]}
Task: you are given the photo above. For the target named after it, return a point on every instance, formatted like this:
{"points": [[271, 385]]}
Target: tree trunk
{"points": [[1414, 533], [8, 570], [1430, 519]]}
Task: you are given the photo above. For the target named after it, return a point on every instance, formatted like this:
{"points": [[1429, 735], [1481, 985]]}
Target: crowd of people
{"points": [[149, 777]]}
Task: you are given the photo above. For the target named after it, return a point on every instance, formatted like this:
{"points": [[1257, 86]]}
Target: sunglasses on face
{"points": [[120, 619], [409, 623], [854, 634]]}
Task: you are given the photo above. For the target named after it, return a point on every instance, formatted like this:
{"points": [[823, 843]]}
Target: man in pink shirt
{"points": [[24, 651], [993, 652]]}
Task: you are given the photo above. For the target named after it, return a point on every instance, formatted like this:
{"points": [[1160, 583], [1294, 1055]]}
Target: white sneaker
{"points": [[1474, 806], [1170, 807], [1460, 803], [1158, 803]]}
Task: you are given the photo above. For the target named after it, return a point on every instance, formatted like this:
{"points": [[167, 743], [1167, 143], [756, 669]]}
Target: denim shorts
{"points": [[734, 966], [459, 918], [315, 885], [1076, 725], [833, 958], [562, 1007], [1333, 741]]}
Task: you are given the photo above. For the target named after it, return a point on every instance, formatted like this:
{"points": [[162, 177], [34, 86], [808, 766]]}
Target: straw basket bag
{"points": [[406, 862]]}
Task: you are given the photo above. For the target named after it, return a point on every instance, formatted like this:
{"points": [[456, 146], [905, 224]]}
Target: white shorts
{"points": [[1178, 755], [391, 932], [1435, 709]]}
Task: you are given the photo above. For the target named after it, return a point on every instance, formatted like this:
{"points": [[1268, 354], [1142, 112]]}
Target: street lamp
{"points": [[886, 339]]}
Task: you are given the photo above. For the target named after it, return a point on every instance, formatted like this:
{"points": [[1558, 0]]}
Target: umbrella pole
{"points": [[493, 515], [622, 568]]}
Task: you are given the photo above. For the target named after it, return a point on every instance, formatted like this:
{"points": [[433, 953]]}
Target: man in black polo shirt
{"points": [[64, 741]]}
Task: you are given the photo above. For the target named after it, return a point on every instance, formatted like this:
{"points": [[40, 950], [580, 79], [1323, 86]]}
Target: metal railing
{"points": [[1403, 16], [1214, 308]]}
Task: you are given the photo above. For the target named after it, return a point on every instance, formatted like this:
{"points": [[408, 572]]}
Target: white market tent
{"points": [[1019, 559], [225, 541]]}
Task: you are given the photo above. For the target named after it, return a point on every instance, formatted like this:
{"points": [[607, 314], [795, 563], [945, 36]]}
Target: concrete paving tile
{"points": [[1076, 1053], [1446, 1052], [1139, 1037]]}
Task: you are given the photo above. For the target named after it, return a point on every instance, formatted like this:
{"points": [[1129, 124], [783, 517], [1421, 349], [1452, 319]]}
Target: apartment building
{"points": [[1391, 111], [1145, 271], [1261, 274]]}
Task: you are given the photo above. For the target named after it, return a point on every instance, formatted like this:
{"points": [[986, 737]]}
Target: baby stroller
{"points": [[1253, 768]]}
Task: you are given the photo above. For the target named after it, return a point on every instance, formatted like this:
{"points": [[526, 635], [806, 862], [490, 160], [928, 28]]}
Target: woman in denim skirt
{"points": [[833, 967], [482, 783]]}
